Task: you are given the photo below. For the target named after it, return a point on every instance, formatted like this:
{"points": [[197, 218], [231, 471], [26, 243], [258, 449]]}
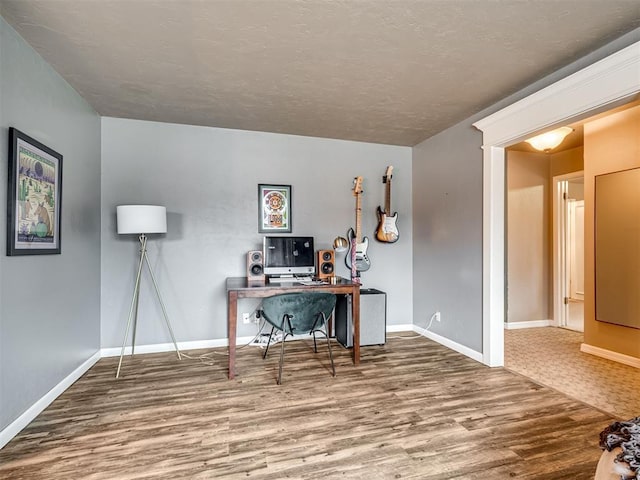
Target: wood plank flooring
{"points": [[412, 410]]}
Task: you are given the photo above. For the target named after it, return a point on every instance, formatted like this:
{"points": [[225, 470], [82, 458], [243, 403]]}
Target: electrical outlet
{"points": [[246, 318], [437, 316]]}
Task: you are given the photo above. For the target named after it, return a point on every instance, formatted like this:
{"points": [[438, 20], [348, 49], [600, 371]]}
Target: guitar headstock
{"points": [[357, 186], [387, 174]]}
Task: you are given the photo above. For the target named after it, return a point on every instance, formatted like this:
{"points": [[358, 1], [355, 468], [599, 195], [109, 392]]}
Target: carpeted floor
{"points": [[551, 356]]}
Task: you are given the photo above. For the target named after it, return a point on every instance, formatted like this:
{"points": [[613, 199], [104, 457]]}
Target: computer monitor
{"points": [[286, 255]]}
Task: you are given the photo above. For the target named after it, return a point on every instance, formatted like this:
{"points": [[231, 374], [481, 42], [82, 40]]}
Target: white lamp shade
{"points": [[139, 219]]}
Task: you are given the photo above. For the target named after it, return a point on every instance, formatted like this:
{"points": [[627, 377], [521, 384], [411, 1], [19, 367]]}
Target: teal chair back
{"points": [[296, 313], [304, 311]]}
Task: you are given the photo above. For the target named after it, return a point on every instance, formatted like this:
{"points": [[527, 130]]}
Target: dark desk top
{"points": [[241, 283]]}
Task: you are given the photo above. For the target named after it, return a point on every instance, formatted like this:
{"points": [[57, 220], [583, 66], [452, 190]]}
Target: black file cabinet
{"points": [[373, 318]]}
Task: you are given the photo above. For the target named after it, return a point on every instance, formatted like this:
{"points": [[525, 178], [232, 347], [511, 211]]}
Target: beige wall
{"points": [[528, 223], [567, 162], [530, 230], [611, 143]]}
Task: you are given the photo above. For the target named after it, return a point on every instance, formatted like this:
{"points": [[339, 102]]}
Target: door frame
{"points": [[560, 260], [605, 84]]}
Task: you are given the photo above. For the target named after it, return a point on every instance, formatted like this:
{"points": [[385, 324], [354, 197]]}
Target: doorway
{"points": [[568, 258], [608, 83]]}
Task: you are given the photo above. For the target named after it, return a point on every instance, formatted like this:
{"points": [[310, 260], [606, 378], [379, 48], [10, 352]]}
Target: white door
{"points": [[576, 250], [568, 247]]}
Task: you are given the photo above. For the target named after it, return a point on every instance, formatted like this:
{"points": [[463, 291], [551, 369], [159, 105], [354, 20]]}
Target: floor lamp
{"points": [[141, 220]]}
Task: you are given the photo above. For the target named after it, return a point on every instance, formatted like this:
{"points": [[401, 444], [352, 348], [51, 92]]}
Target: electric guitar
{"points": [[387, 230], [361, 259]]}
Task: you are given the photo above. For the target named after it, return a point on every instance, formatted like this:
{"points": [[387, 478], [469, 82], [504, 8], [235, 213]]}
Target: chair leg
{"points": [[264, 355], [319, 316], [284, 337], [333, 367]]}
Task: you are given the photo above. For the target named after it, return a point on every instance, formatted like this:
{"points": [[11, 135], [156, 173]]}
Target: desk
{"points": [[238, 287]]}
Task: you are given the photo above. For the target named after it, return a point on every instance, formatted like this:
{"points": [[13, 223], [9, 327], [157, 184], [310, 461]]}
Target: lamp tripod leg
{"points": [[134, 303], [135, 322], [164, 310]]}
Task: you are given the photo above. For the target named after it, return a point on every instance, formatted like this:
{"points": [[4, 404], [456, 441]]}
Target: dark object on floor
{"points": [[625, 435]]}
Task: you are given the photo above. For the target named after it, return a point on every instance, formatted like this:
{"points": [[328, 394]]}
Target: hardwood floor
{"points": [[412, 409]]}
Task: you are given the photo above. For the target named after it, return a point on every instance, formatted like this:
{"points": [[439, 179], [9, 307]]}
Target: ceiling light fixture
{"points": [[549, 140]]}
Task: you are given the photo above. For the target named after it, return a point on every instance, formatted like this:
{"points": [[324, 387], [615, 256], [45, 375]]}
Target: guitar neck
{"points": [[387, 199], [358, 215]]}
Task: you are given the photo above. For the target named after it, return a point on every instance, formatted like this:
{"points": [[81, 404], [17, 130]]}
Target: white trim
{"points": [[34, 410], [215, 343], [477, 356], [607, 81], [493, 220], [527, 324], [610, 81], [609, 355], [168, 347]]}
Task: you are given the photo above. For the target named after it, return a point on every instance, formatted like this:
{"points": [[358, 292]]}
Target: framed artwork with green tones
{"points": [[34, 197]]}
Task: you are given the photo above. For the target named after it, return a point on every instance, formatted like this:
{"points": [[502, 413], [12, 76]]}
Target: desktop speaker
{"points": [[326, 264], [255, 267]]}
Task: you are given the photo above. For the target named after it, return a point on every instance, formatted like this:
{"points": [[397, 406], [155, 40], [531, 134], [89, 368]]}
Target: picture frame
{"points": [[34, 197], [274, 208]]}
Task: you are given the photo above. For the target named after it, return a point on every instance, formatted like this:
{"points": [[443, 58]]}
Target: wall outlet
{"points": [[437, 316], [246, 317]]}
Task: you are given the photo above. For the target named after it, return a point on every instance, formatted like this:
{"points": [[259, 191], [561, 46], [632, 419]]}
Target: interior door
{"points": [[576, 249]]}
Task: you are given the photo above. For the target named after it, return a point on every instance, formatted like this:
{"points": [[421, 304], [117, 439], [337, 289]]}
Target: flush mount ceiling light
{"points": [[549, 140]]}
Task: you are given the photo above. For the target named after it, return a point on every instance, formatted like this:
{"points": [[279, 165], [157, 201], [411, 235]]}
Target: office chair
{"points": [[295, 313]]}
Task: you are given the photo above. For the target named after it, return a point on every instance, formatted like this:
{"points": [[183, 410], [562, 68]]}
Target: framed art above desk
{"points": [[239, 287]]}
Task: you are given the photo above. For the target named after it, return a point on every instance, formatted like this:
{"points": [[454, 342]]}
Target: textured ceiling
{"points": [[393, 72]]}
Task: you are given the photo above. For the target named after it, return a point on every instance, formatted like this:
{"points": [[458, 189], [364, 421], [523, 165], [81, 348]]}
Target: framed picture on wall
{"points": [[274, 208], [34, 197]]}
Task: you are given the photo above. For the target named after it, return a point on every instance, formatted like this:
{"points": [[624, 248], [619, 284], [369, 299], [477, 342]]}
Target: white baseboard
{"points": [[529, 324], [32, 412], [168, 347], [609, 355], [477, 356], [199, 344]]}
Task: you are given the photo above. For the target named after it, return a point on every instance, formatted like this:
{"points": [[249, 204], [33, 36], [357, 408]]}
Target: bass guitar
{"points": [[387, 230], [360, 260]]}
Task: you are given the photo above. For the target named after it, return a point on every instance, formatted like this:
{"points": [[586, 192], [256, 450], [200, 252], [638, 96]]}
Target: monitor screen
{"points": [[289, 256]]}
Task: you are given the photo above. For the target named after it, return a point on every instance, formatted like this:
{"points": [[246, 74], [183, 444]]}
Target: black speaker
{"points": [[326, 264], [255, 267]]}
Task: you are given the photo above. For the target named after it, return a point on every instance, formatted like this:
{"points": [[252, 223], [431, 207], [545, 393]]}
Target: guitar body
{"points": [[362, 262], [387, 230]]}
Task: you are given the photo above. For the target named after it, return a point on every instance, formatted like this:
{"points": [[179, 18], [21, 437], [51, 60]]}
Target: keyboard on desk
{"points": [[305, 280]]}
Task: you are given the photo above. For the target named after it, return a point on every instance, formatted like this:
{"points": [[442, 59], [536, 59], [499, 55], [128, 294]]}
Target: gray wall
{"points": [[448, 274], [207, 178], [49, 304], [447, 237]]}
